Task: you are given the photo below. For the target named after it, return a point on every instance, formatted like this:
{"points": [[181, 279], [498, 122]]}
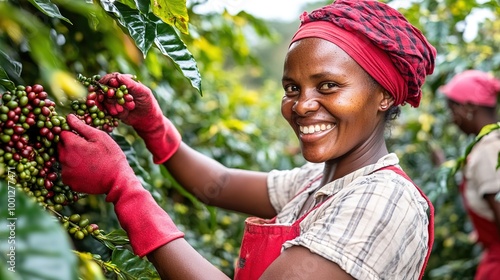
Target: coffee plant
{"points": [[30, 127]]}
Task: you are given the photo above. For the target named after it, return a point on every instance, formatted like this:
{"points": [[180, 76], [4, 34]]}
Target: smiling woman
{"points": [[324, 106], [351, 212]]}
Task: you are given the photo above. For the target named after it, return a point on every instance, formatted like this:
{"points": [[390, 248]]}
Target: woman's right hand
{"points": [[146, 107], [160, 136]]}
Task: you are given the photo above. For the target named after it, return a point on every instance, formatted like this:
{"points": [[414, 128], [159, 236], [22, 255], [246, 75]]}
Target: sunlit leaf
{"points": [[89, 269], [487, 129], [173, 12], [64, 86]]}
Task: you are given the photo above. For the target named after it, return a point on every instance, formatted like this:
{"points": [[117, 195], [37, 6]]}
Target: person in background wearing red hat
{"points": [[349, 213], [472, 99]]}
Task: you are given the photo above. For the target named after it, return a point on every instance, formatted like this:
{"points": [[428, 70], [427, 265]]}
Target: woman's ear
{"points": [[386, 101]]}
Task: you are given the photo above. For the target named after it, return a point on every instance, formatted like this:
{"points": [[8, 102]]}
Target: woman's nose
{"points": [[305, 103]]}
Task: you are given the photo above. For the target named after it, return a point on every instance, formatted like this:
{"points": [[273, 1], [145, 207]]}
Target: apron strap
{"points": [[430, 227]]}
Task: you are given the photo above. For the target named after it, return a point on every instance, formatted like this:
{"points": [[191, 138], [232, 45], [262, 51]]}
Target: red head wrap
{"points": [[380, 40]]}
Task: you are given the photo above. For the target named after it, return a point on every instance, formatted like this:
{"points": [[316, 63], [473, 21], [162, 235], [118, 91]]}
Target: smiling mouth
{"points": [[310, 129]]}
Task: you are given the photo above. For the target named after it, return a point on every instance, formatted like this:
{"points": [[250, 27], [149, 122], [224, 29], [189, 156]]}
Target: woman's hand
{"points": [[160, 136], [146, 107], [90, 158]]}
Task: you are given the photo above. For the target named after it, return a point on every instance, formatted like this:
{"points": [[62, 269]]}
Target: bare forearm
{"points": [[199, 174], [178, 260], [214, 184]]}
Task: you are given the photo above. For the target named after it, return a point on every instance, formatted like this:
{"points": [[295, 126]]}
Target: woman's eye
{"points": [[291, 90], [327, 86]]}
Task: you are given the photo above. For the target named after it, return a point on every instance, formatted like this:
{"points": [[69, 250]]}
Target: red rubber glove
{"points": [[93, 163], [160, 136]]}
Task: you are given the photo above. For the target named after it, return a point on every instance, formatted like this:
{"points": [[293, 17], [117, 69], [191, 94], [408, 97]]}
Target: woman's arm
{"points": [[298, 262], [214, 184], [178, 260]]}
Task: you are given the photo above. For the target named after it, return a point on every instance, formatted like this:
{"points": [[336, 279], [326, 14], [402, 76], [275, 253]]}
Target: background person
{"points": [[472, 99], [349, 213]]}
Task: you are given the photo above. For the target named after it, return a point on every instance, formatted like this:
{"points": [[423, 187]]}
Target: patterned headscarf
{"points": [[380, 39]]}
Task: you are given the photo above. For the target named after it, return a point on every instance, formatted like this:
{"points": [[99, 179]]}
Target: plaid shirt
{"points": [[374, 225]]}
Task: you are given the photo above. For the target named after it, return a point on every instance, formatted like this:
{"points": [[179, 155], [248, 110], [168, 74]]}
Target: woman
{"points": [[472, 99], [350, 213]]}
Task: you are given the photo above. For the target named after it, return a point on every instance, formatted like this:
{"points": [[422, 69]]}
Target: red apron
{"points": [[262, 240], [487, 235]]}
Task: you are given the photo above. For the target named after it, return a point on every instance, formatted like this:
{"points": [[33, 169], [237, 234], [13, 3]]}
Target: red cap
{"points": [[473, 86]]}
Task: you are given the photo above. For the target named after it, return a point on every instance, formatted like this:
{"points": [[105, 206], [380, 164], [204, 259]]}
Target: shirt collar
{"points": [[335, 186]]}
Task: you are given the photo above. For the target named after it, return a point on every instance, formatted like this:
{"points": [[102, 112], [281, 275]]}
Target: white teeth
{"points": [[314, 128]]}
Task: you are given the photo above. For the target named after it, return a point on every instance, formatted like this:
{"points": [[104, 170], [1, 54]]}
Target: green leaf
{"points": [[10, 64], [498, 163], [169, 43], [139, 27], [42, 48], [110, 7], [48, 8], [132, 267], [173, 12], [32, 242], [113, 239], [145, 30], [487, 129], [142, 5], [6, 274], [5, 81]]}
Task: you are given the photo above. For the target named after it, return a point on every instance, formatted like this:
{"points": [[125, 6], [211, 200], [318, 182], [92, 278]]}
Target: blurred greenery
{"points": [[33, 246], [218, 79]]}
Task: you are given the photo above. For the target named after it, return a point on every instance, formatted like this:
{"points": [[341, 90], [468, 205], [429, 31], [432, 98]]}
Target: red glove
{"points": [[93, 163], [160, 136]]}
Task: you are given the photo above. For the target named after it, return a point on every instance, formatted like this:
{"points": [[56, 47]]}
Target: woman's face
{"points": [[330, 102]]}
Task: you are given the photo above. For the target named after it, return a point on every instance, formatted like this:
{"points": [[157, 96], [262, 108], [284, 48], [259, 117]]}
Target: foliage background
{"points": [[236, 119]]}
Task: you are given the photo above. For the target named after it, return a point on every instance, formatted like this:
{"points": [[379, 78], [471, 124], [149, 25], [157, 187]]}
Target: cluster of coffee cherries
{"points": [[30, 129], [79, 227], [111, 98], [29, 133]]}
